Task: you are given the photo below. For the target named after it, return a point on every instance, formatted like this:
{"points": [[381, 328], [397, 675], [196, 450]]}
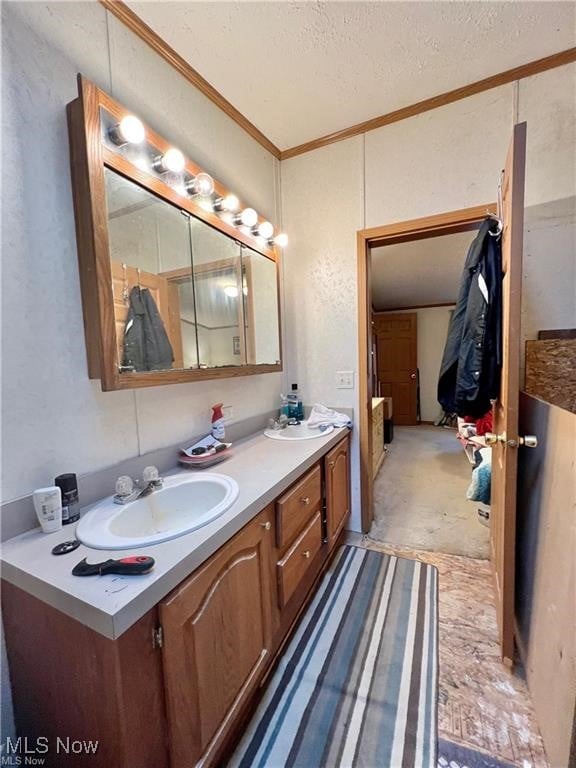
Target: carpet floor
{"points": [[357, 684], [420, 495]]}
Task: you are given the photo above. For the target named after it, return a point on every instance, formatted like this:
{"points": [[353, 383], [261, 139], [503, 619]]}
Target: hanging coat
{"points": [[146, 343], [472, 362]]}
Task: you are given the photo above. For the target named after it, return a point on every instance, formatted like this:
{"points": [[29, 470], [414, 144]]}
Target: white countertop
{"points": [[263, 469]]}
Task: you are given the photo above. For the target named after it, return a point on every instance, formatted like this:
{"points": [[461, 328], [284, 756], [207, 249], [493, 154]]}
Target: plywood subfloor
{"points": [[482, 704], [420, 495]]}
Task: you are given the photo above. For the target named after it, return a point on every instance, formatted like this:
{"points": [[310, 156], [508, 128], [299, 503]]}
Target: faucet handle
{"points": [[124, 486], [151, 476]]}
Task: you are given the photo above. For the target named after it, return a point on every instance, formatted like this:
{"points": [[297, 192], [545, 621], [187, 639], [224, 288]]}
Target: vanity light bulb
{"points": [[204, 184], [231, 291], [249, 217], [229, 203], [173, 160], [281, 240], [130, 130], [265, 230]]}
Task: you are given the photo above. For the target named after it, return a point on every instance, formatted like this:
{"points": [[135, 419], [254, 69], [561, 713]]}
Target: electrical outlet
{"points": [[228, 413], [344, 379]]}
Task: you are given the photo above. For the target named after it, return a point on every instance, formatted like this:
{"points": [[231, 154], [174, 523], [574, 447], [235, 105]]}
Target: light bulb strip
{"points": [[195, 182]]}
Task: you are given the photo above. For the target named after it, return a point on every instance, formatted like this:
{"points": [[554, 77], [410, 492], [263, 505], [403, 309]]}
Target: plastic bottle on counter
{"points": [[218, 431], [48, 505], [295, 406], [68, 485]]}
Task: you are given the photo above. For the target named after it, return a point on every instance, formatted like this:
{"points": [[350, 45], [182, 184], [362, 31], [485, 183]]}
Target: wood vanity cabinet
{"points": [[217, 641], [337, 479], [177, 687]]}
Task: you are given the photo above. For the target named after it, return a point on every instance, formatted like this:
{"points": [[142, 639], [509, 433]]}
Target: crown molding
{"points": [[494, 81], [131, 20]]}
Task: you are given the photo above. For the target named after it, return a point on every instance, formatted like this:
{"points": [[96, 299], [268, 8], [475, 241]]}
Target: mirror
{"points": [[179, 277], [186, 296], [217, 288], [149, 244], [260, 296]]}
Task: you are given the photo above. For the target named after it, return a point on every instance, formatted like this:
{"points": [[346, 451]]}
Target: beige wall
{"points": [[445, 159], [546, 571], [50, 407]]}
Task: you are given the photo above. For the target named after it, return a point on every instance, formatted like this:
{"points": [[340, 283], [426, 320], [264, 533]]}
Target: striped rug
{"points": [[357, 685]]}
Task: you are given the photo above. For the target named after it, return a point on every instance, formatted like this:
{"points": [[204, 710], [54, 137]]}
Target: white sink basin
{"points": [[183, 504], [298, 432]]}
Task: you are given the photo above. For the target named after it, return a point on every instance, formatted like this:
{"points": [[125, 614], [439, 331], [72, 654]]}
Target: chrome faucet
{"points": [[127, 490], [282, 422]]}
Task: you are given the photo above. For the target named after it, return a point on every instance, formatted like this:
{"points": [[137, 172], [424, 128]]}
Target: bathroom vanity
{"points": [[164, 670]]}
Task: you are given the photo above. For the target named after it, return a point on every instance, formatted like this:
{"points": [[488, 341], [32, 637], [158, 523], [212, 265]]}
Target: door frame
{"points": [[399, 232]]}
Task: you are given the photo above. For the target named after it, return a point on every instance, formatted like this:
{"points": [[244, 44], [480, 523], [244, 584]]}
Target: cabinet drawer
{"points": [[296, 507], [294, 566]]}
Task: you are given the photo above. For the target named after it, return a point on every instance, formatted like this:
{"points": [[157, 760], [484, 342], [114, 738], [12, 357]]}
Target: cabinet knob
{"points": [[306, 554], [267, 525], [305, 500]]}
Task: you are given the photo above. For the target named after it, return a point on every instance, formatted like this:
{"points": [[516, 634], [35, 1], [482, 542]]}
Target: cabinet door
{"points": [[337, 489], [217, 642]]}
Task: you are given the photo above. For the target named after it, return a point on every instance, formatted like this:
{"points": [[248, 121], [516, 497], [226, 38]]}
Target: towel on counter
{"points": [[321, 416], [479, 489]]}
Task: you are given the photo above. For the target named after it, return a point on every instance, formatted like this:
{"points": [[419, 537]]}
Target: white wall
{"points": [[432, 333], [54, 418], [322, 209], [445, 159]]}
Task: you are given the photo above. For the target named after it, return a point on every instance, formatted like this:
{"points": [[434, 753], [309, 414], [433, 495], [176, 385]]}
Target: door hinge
{"points": [[157, 637]]}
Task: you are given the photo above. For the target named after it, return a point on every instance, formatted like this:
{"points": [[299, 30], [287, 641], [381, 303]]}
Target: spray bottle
{"points": [[218, 431]]}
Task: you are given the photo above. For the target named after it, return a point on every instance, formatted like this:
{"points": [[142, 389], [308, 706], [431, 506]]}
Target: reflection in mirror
{"points": [[217, 291], [151, 273], [260, 295]]}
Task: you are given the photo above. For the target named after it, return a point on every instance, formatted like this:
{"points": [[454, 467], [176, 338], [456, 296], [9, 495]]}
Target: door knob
{"points": [[412, 375], [529, 441]]}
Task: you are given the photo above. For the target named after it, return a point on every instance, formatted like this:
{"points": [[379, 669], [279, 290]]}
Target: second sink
{"points": [[183, 504], [297, 432]]}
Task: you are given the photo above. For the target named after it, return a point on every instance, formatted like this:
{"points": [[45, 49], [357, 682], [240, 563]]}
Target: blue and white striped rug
{"points": [[357, 685]]}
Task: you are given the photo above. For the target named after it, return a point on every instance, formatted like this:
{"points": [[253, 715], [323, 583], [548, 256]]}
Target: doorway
{"points": [[502, 352], [420, 487], [466, 220]]}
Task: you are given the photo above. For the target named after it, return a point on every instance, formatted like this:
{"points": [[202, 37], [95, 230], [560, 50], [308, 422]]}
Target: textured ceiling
{"points": [[300, 70], [420, 272]]}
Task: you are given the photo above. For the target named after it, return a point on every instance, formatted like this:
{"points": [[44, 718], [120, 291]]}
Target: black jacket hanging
{"points": [[146, 343], [471, 365]]}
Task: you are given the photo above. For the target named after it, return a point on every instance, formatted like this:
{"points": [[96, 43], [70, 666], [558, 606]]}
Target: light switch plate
{"points": [[344, 379]]}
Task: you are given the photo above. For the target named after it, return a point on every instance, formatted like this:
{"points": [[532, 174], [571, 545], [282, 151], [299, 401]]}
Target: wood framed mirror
{"points": [[175, 288]]}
